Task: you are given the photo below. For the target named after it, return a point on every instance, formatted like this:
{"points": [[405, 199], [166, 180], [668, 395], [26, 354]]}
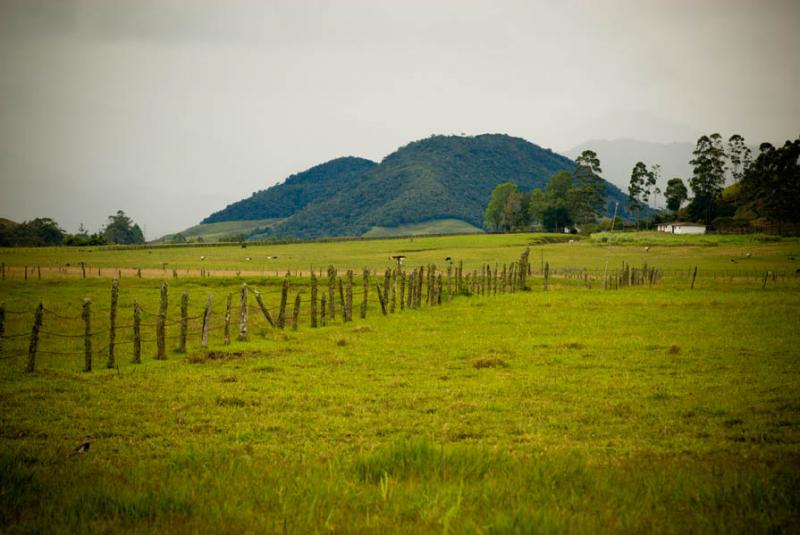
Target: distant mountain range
{"points": [[618, 156], [448, 178]]}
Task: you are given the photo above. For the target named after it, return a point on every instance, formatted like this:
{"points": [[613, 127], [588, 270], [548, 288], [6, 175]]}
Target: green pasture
{"points": [[659, 409], [711, 254]]}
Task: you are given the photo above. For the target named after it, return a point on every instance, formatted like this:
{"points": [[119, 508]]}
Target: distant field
{"points": [[440, 226], [575, 409], [712, 254], [212, 232]]}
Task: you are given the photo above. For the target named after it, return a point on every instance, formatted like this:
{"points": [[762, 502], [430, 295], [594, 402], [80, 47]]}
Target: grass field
{"points": [[657, 409]]}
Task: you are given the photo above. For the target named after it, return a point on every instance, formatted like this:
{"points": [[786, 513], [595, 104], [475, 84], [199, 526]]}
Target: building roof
{"points": [[684, 224]]}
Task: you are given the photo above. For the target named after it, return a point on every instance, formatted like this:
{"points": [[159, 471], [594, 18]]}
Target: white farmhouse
{"points": [[682, 228]]}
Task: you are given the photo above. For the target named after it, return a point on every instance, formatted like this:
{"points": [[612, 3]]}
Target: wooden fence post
{"points": [[348, 303], [161, 325], [764, 284], [546, 274], [137, 333], [139, 272], [341, 296], [112, 323], [380, 298], [418, 291], [393, 285], [33, 347], [284, 299], [365, 276], [322, 316], [206, 321], [83, 270], [263, 308], [243, 313], [402, 290], [227, 329], [439, 289], [296, 311], [2, 326], [313, 305], [87, 335], [184, 322], [694, 276], [331, 293], [387, 279], [26, 272]]}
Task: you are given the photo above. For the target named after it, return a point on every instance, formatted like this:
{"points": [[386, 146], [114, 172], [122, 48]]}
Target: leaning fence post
{"points": [[380, 298], [322, 316], [184, 322], [263, 308], [228, 305], [137, 334], [161, 325], [243, 313], [313, 305], [694, 276], [206, 321], [348, 296], [112, 323], [34, 345], [296, 311], [87, 335]]}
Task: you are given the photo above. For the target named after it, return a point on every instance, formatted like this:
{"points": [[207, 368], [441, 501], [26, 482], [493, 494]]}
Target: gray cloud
{"points": [[170, 110]]}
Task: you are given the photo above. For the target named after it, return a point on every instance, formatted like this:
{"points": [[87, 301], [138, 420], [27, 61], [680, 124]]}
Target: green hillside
{"points": [[441, 177], [439, 226], [211, 232], [296, 192]]}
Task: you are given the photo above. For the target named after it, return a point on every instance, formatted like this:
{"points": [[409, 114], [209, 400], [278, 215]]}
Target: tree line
{"points": [[43, 231], [569, 198], [729, 188]]}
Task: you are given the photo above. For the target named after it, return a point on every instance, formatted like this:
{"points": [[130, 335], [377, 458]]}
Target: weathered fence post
{"points": [[139, 272], [322, 316], [348, 303], [243, 313], [161, 325], [387, 278], [341, 297], [87, 335], [546, 274], [206, 321], [393, 298], [137, 333], [402, 290], [766, 276], [83, 270], [2, 326], [174, 274], [284, 299], [418, 291], [112, 323], [381, 299], [184, 322], [227, 328], [296, 311], [39, 272], [694, 276], [263, 308], [313, 305], [365, 276], [439, 289], [331, 293], [33, 347], [26, 272]]}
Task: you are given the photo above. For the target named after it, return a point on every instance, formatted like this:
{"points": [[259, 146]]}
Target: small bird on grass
{"points": [[83, 448]]}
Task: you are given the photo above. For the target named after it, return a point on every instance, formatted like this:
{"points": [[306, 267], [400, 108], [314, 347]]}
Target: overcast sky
{"points": [[170, 109]]}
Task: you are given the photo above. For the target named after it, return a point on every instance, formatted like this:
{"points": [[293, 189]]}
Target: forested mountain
{"points": [[441, 177], [296, 192]]}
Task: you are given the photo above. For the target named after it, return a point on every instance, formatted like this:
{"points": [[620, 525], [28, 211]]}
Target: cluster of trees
{"points": [[568, 198], [120, 229], [728, 187]]}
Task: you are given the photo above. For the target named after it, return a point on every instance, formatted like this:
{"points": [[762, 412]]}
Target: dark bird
{"points": [[734, 261], [83, 448]]}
